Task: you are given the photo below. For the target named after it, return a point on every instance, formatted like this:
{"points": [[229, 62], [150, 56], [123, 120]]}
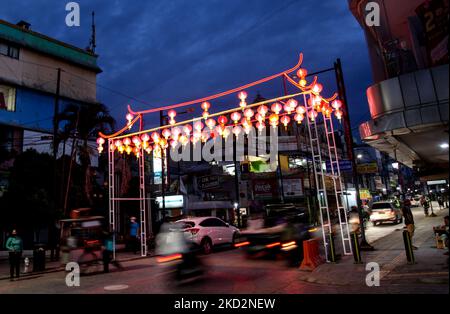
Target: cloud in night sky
{"points": [[167, 51]]}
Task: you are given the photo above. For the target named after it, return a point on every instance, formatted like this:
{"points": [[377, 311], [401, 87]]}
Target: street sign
{"points": [[292, 187], [345, 165], [367, 168]]}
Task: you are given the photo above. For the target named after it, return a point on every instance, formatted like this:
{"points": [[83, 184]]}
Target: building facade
{"points": [[409, 99], [32, 66]]}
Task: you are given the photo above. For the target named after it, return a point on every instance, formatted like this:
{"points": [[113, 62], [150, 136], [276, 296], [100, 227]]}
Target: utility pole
{"points": [[163, 165], [55, 140], [350, 149]]}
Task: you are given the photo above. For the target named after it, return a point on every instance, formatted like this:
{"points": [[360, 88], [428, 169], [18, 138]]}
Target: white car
{"points": [[385, 212], [208, 232]]}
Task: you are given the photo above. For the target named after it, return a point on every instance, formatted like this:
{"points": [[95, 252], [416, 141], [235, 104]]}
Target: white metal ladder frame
{"points": [[319, 175], [337, 184], [113, 199]]}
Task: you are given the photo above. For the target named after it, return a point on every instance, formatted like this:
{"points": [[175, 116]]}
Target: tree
{"points": [[28, 202], [83, 123]]}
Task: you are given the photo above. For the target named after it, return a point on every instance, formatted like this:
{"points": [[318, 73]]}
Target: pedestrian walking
{"points": [[425, 204], [108, 244], [133, 240], [409, 219], [15, 247], [441, 202]]}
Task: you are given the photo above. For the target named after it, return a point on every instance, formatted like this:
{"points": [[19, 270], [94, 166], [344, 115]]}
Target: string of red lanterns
{"points": [[157, 142]]}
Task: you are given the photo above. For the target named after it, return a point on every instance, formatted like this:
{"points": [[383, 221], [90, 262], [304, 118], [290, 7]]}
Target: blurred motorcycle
{"points": [[175, 251]]}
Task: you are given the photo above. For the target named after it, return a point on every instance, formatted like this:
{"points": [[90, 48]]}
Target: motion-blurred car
{"points": [[282, 232], [385, 212], [208, 232]]}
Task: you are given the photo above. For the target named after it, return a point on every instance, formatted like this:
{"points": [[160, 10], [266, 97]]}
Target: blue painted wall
{"points": [[34, 111]]}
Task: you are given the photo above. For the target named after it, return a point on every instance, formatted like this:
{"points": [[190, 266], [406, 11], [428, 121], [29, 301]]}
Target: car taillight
{"points": [[269, 246], [240, 244], [193, 231], [169, 258]]}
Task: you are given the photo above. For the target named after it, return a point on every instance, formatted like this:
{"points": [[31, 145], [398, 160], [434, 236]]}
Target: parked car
{"points": [[415, 201], [208, 232], [385, 212]]}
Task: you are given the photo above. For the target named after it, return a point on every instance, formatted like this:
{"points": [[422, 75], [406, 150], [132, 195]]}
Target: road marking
{"points": [[116, 287]]}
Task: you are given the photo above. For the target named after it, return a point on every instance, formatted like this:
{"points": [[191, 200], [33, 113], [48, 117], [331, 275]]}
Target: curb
{"points": [[62, 268]]}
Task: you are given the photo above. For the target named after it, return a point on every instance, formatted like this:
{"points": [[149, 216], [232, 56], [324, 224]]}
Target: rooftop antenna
{"points": [[92, 44]]}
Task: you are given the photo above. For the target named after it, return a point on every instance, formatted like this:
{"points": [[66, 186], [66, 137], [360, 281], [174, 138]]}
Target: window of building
{"points": [[7, 98], [8, 50]]}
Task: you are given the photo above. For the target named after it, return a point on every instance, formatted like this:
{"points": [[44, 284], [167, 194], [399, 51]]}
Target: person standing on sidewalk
{"points": [[134, 228], [15, 247], [409, 219]]}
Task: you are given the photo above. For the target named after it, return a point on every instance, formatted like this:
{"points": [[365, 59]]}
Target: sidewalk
{"points": [[430, 270], [55, 266]]}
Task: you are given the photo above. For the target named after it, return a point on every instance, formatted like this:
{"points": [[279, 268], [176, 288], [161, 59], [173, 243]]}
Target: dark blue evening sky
{"points": [[167, 51]]}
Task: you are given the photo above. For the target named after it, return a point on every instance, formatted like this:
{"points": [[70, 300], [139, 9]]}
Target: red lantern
{"points": [[235, 116], [175, 133], [273, 120], [313, 115], [100, 141], [262, 110], [285, 120], [326, 110], [338, 113], [248, 113], [302, 82], [260, 125], [276, 107], [155, 137], [302, 73], [136, 140], [237, 130], [163, 143], [336, 104], [317, 88], [287, 108], [126, 141], [211, 123], [172, 113], [187, 129], [145, 137], [299, 118], [204, 136], [222, 120], [205, 106], [242, 95], [292, 103], [166, 133], [173, 144], [219, 129], [198, 126], [259, 117], [183, 140], [300, 110], [129, 117]]}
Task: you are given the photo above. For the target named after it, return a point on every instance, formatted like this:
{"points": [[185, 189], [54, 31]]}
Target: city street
{"points": [[214, 147], [229, 272]]}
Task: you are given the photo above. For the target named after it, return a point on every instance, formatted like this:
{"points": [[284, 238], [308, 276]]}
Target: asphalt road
{"points": [[227, 271]]}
